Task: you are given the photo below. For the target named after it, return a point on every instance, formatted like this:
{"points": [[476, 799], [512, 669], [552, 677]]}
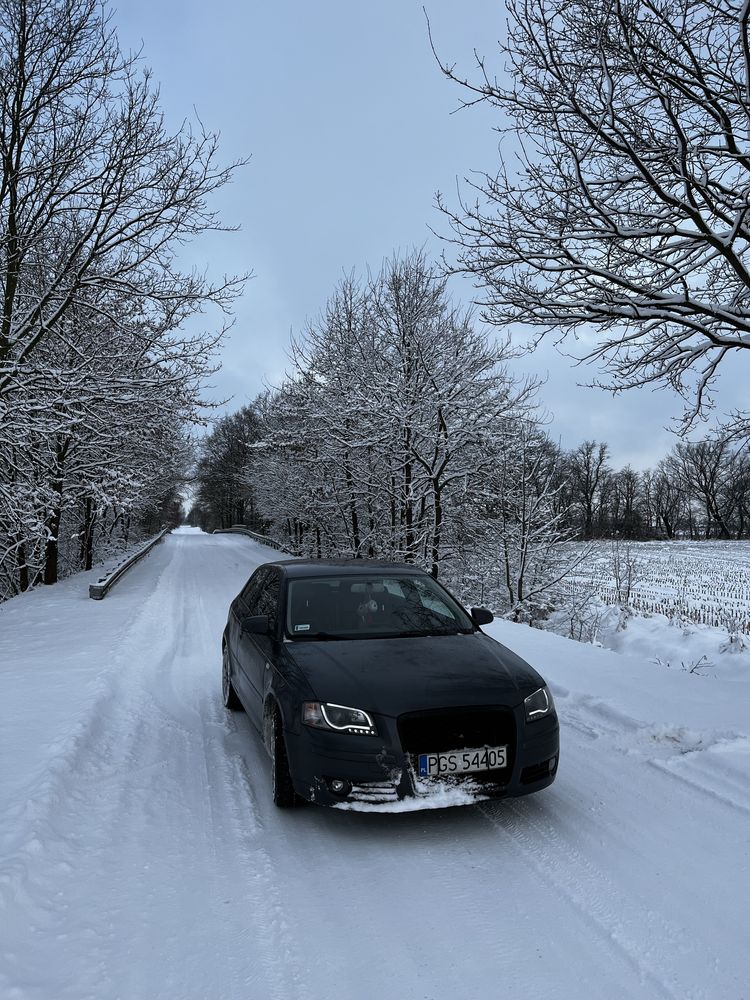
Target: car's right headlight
{"points": [[539, 704], [338, 718]]}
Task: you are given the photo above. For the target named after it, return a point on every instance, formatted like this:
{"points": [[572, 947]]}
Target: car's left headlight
{"points": [[539, 704], [338, 718]]}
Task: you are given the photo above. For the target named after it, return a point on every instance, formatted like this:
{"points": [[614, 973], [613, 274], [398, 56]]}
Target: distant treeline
{"points": [[700, 490]]}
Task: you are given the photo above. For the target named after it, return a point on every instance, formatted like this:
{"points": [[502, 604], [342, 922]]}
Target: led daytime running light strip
{"points": [[352, 725], [541, 711]]}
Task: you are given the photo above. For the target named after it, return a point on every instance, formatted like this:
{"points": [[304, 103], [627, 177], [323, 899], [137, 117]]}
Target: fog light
{"points": [[339, 787], [552, 764]]}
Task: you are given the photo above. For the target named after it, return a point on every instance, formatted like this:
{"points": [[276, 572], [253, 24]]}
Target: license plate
{"points": [[462, 761]]}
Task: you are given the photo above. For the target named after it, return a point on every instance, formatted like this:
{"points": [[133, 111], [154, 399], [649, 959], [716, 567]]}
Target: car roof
{"points": [[309, 568]]}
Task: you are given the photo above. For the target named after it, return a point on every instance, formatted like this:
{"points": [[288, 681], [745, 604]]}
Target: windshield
{"points": [[359, 607]]}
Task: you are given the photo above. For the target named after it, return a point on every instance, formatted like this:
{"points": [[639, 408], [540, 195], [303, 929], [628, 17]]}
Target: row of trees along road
{"points": [[398, 433], [97, 381]]}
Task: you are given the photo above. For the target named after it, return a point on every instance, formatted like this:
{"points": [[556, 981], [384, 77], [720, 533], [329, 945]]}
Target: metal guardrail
{"points": [[99, 590], [240, 529]]}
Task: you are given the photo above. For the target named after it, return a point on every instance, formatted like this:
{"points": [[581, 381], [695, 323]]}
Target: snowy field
{"points": [[141, 857], [705, 583]]}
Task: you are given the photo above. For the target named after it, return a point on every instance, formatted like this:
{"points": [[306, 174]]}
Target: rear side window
{"points": [[251, 591], [268, 599]]}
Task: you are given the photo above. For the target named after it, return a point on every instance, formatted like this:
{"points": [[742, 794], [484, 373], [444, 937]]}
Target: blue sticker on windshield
{"points": [[302, 628]]}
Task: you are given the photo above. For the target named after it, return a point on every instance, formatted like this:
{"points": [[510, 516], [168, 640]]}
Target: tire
{"points": [[284, 795], [228, 694]]}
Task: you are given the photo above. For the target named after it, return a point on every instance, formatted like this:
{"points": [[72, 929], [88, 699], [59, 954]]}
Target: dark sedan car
{"points": [[369, 682]]}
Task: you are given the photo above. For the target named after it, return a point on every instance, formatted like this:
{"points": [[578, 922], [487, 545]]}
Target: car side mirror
{"points": [[256, 624], [481, 616]]}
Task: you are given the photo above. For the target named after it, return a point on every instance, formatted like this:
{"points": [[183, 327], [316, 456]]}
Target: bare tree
{"points": [[527, 524], [451, 389], [625, 514], [738, 491], [626, 570], [705, 470], [667, 498], [93, 445], [382, 436], [589, 473], [619, 211], [95, 193]]}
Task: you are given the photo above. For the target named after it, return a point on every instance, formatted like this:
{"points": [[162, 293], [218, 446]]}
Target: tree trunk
{"points": [[437, 529], [356, 541], [23, 569], [51, 549], [394, 528], [588, 528], [86, 554], [408, 512]]}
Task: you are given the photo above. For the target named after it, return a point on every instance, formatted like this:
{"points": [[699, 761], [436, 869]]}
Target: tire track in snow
{"points": [[693, 769], [700, 760], [603, 905], [142, 819], [183, 692], [33, 815], [278, 952]]}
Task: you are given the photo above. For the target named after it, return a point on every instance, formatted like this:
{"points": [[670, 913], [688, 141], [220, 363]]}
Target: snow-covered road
{"points": [[141, 857]]}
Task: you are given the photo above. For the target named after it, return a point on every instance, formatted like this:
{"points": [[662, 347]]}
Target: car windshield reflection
{"points": [[366, 607]]}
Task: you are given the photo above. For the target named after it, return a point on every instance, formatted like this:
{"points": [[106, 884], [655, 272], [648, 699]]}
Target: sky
{"points": [[350, 129]]}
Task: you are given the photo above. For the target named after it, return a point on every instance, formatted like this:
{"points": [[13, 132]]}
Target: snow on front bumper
{"points": [[426, 795]]}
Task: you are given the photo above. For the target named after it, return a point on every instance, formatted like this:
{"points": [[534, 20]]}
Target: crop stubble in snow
{"points": [[141, 857]]}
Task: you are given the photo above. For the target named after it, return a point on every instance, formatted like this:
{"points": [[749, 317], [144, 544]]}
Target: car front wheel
{"points": [[229, 695]]}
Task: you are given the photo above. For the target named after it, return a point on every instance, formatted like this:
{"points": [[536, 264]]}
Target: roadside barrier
{"points": [[99, 590], [239, 529]]}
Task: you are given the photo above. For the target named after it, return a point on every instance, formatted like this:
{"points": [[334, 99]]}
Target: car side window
{"points": [[251, 591], [268, 600]]}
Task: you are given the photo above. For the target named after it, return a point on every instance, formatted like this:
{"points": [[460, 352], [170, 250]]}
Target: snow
{"points": [[141, 857], [442, 796], [678, 645]]}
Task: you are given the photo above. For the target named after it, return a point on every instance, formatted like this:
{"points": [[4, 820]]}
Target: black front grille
{"points": [[447, 729]]}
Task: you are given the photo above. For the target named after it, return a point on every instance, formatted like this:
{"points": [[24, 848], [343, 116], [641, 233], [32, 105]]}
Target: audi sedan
{"points": [[368, 683]]}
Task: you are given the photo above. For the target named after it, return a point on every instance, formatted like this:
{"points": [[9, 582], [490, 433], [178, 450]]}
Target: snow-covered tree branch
{"points": [[619, 210]]}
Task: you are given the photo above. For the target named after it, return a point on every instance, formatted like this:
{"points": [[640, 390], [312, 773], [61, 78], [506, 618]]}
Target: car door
{"points": [[258, 651], [242, 607]]}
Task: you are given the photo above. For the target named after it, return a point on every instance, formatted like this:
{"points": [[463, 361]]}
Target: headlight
{"points": [[339, 718], [538, 705]]}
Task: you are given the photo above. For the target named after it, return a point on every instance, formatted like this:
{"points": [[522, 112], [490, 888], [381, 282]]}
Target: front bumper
{"points": [[375, 769]]}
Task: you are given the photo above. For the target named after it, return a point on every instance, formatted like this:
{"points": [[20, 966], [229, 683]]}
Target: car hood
{"points": [[391, 676]]}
